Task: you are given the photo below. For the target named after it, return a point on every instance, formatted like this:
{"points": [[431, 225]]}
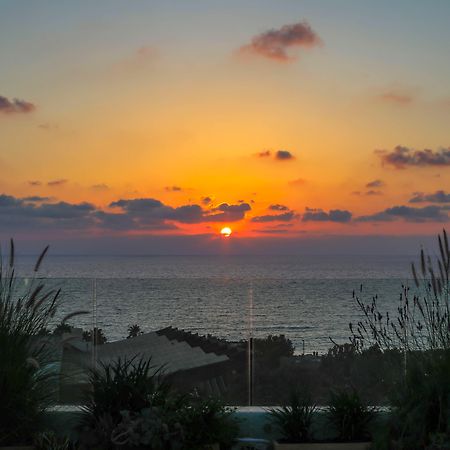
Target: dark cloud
{"points": [[228, 213], [373, 192], [409, 214], [173, 188], [375, 184], [206, 200], [147, 210], [283, 155], [279, 155], [275, 44], [55, 183], [15, 106], [436, 197], [278, 207], [35, 183], [334, 215], [401, 157], [283, 217], [36, 213]]}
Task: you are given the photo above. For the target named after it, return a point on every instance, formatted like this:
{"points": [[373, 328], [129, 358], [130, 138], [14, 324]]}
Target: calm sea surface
{"points": [[307, 298]]}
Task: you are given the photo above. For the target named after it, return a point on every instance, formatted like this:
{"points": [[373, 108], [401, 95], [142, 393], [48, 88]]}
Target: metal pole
{"points": [[250, 348]]}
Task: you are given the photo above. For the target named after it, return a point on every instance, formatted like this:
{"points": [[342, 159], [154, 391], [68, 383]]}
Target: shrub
{"points": [[125, 394], [206, 422], [294, 420], [349, 416]]}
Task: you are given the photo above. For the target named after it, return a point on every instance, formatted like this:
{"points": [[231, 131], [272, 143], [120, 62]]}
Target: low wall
{"points": [[254, 422]]}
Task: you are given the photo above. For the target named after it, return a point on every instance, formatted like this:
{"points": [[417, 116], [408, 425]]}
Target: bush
{"points": [[126, 394], [349, 416], [294, 420], [206, 422]]}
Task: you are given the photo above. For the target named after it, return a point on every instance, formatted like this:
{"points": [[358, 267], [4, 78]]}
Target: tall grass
{"points": [[26, 382]]}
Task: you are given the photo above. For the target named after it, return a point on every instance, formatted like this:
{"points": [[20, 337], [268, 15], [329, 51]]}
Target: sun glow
{"points": [[226, 231]]}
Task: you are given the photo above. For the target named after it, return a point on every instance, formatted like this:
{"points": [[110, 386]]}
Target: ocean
{"points": [[306, 298]]}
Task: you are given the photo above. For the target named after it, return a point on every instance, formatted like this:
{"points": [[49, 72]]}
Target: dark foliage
{"points": [[295, 419], [349, 416]]}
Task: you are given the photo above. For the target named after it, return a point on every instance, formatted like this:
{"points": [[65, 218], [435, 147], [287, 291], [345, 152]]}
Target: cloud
{"points": [[36, 199], [279, 155], [173, 188], [283, 155], [36, 213], [206, 200], [100, 187], [55, 183], [437, 197], [375, 184], [409, 214], [278, 207], [228, 213], [334, 215], [297, 182], [274, 44], [15, 106], [283, 217], [148, 210], [401, 157], [373, 192], [397, 97], [35, 183]]}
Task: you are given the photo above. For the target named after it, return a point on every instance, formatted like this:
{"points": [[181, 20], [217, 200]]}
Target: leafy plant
{"points": [[206, 422], [294, 420], [349, 415]]}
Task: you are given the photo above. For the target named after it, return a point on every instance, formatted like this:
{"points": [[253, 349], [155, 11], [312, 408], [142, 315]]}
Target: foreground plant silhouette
{"points": [[26, 382]]}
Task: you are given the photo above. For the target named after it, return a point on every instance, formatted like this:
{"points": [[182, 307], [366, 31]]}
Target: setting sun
{"points": [[226, 231]]}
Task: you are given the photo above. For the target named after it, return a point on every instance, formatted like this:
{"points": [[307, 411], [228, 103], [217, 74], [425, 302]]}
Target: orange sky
{"points": [[128, 103]]}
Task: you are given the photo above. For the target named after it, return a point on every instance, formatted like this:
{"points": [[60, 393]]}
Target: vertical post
{"points": [[250, 349], [250, 372], [94, 324], [303, 347]]}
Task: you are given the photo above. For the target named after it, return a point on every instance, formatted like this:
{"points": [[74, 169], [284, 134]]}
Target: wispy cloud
{"points": [[173, 188], [275, 44], [58, 182], [397, 97], [375, 184]]}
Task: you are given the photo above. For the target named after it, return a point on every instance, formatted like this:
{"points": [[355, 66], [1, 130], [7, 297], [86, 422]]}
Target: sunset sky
{"points": [[285, 120]]}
